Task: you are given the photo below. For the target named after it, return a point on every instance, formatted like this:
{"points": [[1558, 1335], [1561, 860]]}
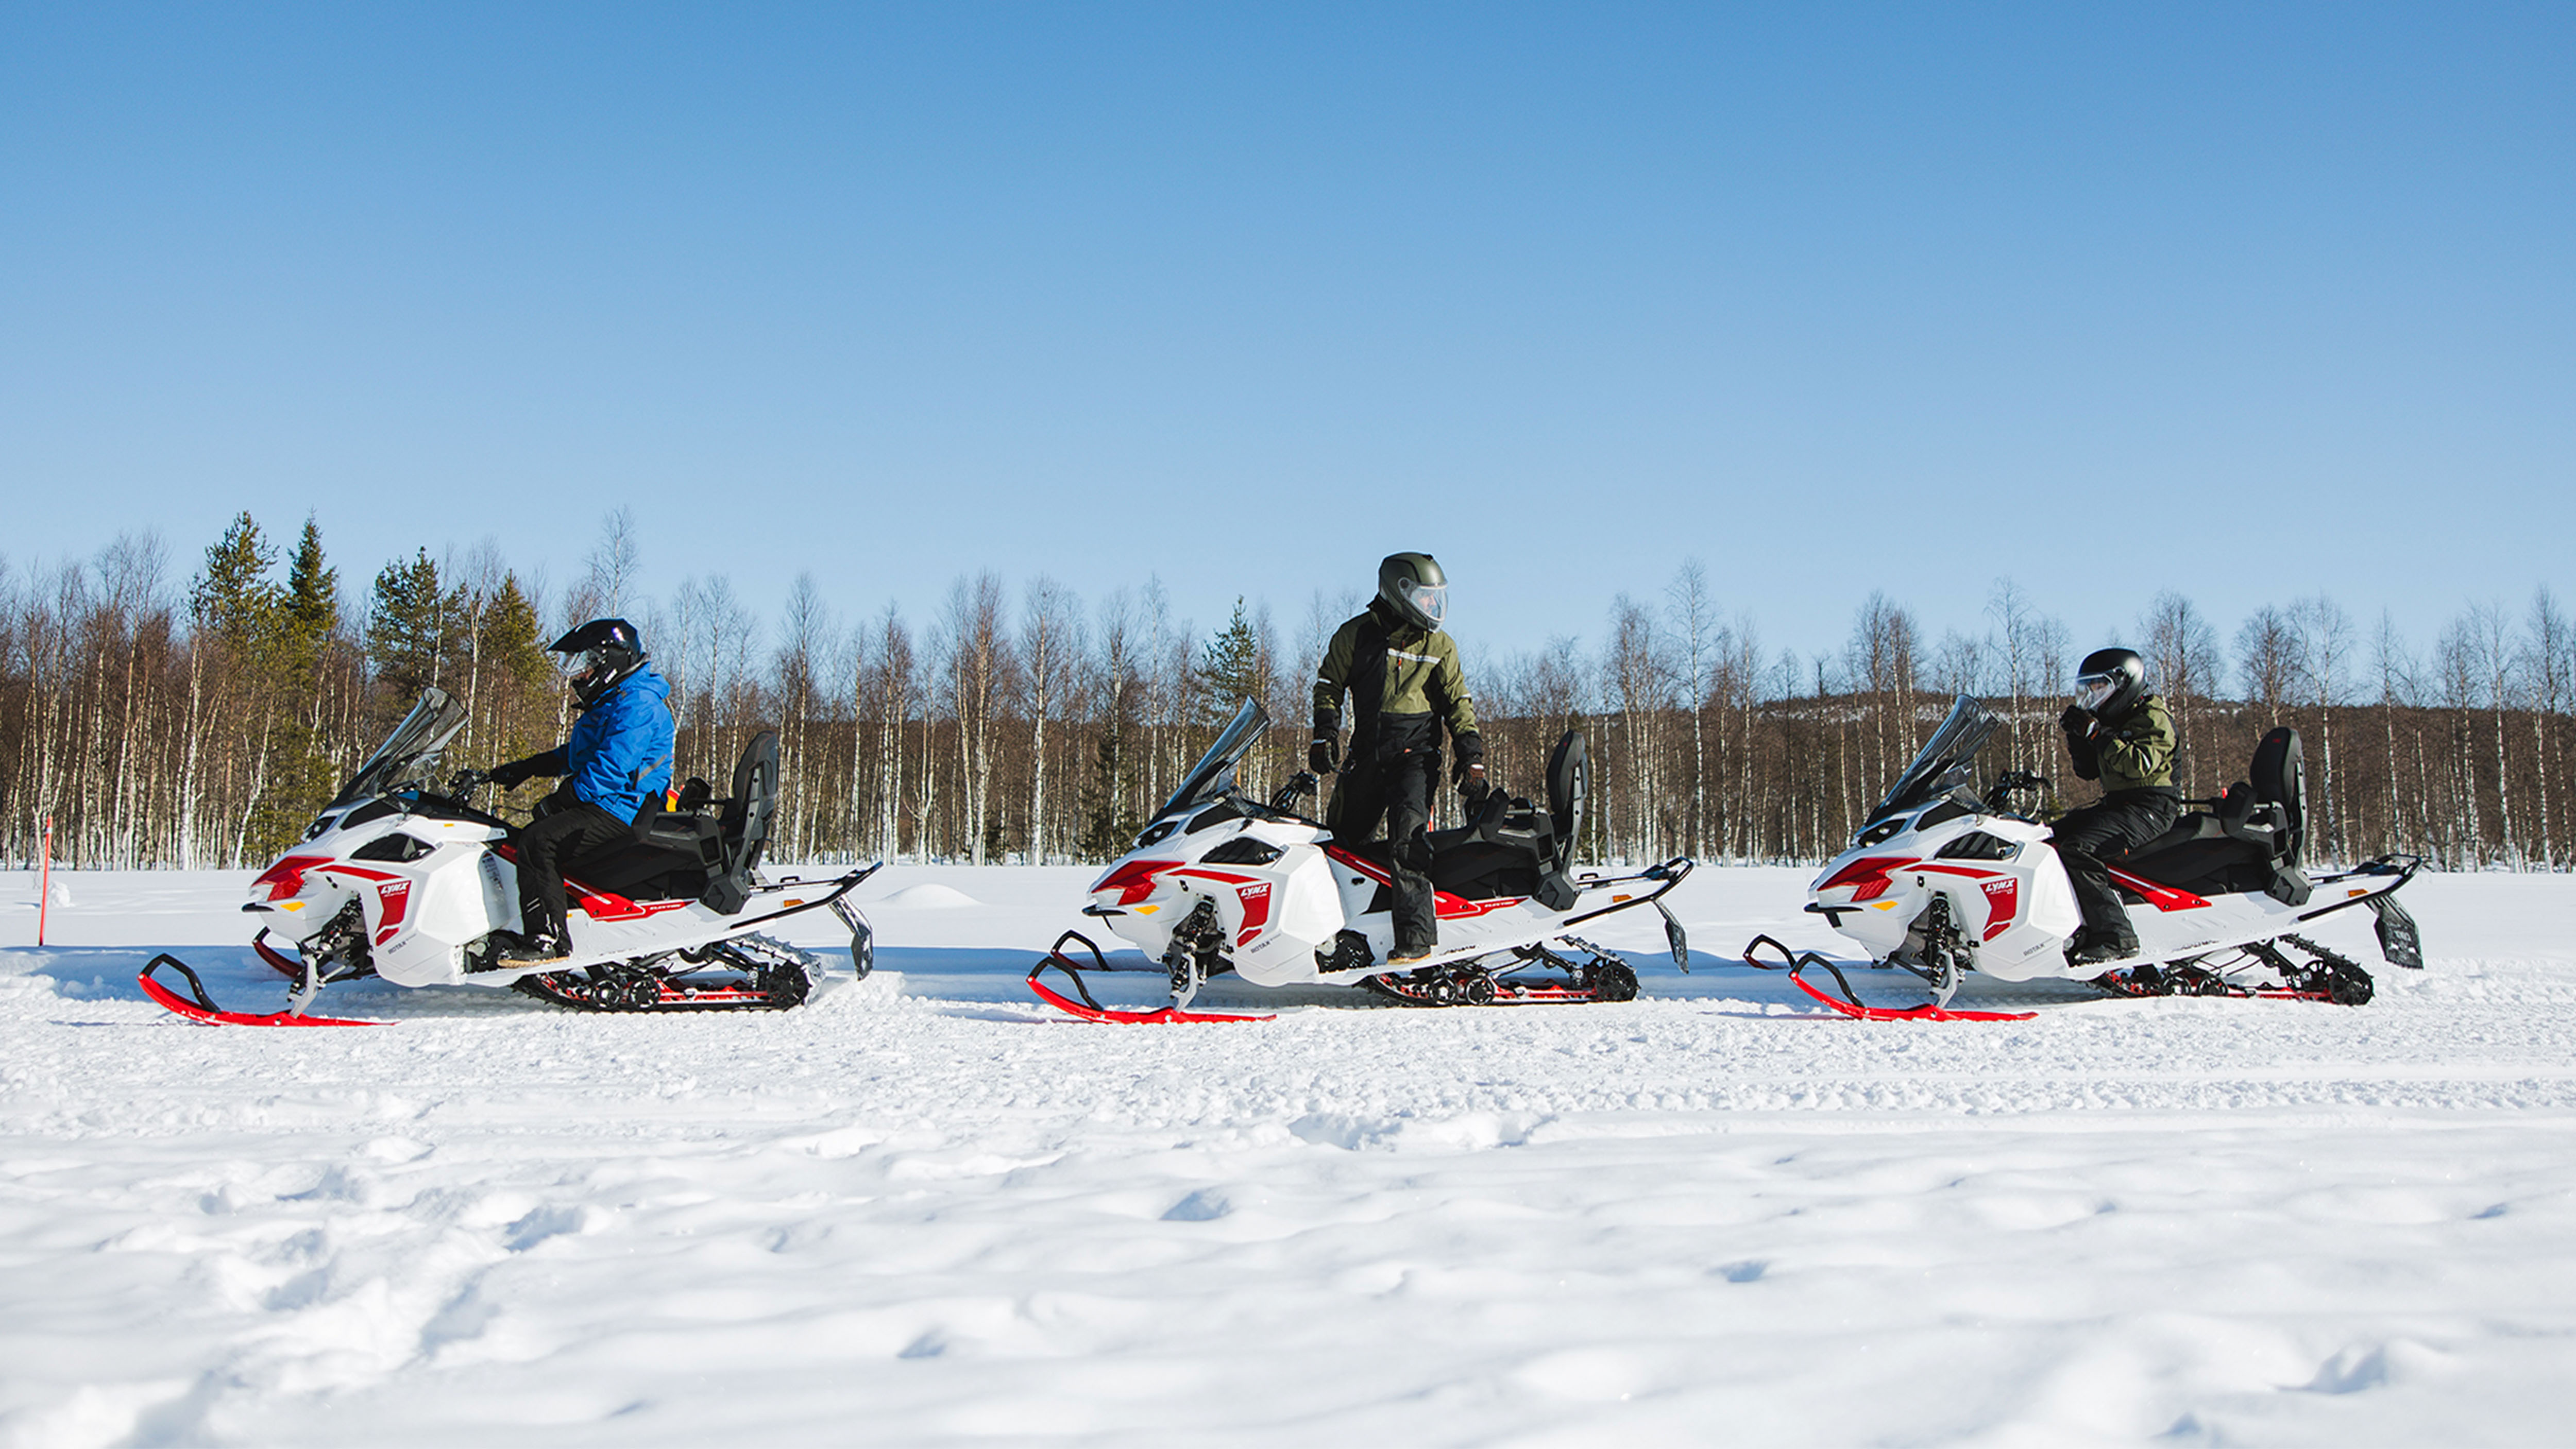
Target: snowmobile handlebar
{"points": [[465, 782], [2011, 782]]}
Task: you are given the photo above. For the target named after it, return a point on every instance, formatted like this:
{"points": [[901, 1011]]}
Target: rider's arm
{"points": [[2142, 749], [1449, 683], [1332, 678]]}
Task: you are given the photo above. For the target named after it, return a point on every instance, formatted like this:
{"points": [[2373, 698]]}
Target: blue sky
{"points": [[2244, 301]]}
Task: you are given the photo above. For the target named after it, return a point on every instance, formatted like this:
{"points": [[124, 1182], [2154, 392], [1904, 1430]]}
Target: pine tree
{"points": [[407, 630], [1230, 669], [310, 609], [233, 598]]}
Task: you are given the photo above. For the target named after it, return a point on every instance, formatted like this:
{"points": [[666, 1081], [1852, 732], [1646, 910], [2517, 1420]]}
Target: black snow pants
{"points": [[2105, 830], [569, 832], [1396, 789]]}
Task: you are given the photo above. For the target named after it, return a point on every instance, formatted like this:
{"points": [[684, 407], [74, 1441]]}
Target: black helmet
{"points": [[599, 654], [1412, 585], [2110, 682]]}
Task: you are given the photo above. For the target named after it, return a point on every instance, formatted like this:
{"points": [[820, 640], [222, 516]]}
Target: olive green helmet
{"points": [[1413, 586]]}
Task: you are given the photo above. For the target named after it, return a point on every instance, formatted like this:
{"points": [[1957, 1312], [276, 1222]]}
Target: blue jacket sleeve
{"points": [[621, 751]]}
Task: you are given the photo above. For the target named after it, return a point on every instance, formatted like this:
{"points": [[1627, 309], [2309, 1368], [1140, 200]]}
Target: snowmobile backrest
{"points": [[1569, 780], [747, 818], [2280, 778]]}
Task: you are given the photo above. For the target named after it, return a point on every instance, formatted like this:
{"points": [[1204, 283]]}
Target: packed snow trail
{"points": [[924, 1209]]}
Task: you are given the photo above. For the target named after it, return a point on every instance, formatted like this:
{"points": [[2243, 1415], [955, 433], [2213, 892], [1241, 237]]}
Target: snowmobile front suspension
{"points": [[1797, 963], [1089, 1007]]}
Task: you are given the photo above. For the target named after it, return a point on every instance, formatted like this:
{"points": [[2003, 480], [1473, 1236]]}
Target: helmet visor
{"points": [[1431, 601], [2092, 689]]}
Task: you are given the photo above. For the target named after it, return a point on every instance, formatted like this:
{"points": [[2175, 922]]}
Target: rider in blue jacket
{"points": [[617, 759]]}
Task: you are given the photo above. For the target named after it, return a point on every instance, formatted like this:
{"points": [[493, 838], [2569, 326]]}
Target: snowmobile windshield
{"points": [[406, 755], [1212, 778], [1942, 764]]}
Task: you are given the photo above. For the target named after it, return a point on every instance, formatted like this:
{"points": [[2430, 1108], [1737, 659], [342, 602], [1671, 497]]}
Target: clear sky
{"points": [[2246, 301]]}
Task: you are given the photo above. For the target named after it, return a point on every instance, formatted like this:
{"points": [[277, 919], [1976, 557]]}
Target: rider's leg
{"points": [[2085, 838], [567, 834], [1409, 780]]}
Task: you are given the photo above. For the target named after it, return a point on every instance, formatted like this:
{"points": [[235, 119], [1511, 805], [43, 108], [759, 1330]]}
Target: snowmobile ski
{"points": [[1089, 1007], [199, 1007], [1797, 964]]}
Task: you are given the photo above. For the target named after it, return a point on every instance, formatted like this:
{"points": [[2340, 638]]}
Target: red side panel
{"points": [[2163, 898]]}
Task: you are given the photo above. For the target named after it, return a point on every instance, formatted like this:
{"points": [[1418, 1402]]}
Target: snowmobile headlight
{"points": [[1881, 831]]}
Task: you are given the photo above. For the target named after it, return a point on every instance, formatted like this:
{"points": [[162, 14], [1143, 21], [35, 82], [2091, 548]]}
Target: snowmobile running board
{"points": [[1089, 1008], [204, 1011], [1796, 965]]}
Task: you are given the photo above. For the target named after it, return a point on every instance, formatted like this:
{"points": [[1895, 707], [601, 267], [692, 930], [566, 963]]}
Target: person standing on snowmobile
{"points": [[618, 757], [1402, 675], [2123, 736]]}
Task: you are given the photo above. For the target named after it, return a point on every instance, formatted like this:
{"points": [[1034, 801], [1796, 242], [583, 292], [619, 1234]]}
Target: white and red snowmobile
{"points": [[1223, 882], [405, 879], [1942, 882]]}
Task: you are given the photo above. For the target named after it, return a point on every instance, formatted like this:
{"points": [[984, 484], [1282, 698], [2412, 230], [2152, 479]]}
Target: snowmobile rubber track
{"points": [[1463, 983], [1797, 964], [199, 1007], [776, 977], [1089, 1007], [2333, 977]]}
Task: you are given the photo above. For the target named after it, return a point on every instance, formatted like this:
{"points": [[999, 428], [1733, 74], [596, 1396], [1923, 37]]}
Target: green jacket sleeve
{"points": [[1457, 705], [2141, 752], [1333, 678]]}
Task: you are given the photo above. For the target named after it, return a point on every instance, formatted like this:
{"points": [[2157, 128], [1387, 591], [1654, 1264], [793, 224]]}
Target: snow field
{"points": [[925, 1211]]}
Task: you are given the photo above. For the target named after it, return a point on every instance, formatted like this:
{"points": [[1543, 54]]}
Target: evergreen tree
{"points": [[1230, 669], [305, 626], [407, 629], [233, 598], [310, 609], [1107, 826], [518, 680]]}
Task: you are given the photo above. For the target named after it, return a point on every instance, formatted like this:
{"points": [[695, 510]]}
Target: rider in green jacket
{"points": [[2123, 736], [1401, 673]]}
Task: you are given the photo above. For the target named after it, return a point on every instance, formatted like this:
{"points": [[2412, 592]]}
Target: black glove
{"points": [[514, 774], [1469, 773], [1319, 757], [2077, 721]]}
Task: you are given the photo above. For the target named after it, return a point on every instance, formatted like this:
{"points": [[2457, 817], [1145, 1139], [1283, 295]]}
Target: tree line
{"points": [[202, 720]]}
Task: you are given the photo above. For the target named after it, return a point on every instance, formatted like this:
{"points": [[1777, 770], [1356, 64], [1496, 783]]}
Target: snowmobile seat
{"points": [[1517, 849], [689, 852], [2251, 842]]}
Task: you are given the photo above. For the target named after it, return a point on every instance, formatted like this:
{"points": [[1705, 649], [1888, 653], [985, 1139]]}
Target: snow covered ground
{"points": [[922, 1211]]}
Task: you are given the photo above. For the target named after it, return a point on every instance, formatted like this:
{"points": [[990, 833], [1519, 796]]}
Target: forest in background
{"points": [[199, 719]]}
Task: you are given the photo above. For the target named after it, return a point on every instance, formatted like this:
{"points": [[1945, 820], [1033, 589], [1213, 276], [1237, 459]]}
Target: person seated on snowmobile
{"points": [[619, 755], [1402, 675], [2123, 736]]}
